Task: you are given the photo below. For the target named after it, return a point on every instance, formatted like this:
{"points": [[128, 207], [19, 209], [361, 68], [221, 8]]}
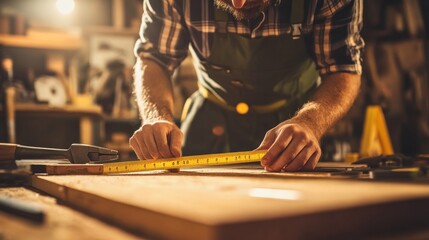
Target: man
{"points": [[258, 64]]}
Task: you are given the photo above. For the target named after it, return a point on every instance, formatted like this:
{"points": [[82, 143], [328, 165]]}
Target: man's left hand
{"points": [[291, 146]]}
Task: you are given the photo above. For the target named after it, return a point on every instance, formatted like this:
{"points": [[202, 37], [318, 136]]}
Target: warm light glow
{"points": [[65, 6], [281, 194], [242, 108]]}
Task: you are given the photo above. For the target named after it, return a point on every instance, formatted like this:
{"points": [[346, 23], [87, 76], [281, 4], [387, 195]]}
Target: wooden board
{"points": [[60, 222], [322, 169], [193, 205]]}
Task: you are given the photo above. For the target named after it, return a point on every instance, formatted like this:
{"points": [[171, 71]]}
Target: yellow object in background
{"points": [[83, 100], [375, 138]]}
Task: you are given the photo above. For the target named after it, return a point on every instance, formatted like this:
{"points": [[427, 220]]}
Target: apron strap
{"points": [[297, 12], [221, 19], [297, 16]]}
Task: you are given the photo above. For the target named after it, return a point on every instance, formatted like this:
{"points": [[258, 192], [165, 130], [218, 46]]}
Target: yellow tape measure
{"points": [[185, 162]]}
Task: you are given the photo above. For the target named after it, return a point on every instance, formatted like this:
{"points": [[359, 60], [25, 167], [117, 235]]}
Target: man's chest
{"points": [[200, 19]]}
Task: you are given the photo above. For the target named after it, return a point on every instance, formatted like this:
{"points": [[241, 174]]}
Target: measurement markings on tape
{"points": [[184, 162]]}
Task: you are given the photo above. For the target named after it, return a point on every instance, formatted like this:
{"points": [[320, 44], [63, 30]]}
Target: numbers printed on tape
{"points": [[185, 162]]}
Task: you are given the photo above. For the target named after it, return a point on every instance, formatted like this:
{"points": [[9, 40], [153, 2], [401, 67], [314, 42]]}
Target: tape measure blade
{"points": [[185, 162]]}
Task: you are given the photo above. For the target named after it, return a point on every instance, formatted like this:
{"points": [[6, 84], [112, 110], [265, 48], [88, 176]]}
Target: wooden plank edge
{"points": [[142, 221], [264, 174], [378, 219], [97, 169], [68, 169]]}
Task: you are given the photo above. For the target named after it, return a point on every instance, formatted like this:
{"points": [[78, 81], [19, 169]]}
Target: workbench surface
{"points": [[61, 222], [223, 203]]}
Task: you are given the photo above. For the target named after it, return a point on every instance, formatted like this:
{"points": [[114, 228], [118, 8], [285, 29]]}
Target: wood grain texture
{"points": [[73, 169], [61, 222], [194, 205]]}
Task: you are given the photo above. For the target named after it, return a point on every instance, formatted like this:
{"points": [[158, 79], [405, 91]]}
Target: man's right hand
{"points": [[157, 139]]}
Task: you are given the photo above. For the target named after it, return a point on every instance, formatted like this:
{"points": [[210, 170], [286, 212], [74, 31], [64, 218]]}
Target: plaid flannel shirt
{"points": [[331, 30]]}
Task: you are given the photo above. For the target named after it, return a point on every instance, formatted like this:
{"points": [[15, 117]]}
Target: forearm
{"points": [[153, 89], [332, 100]]}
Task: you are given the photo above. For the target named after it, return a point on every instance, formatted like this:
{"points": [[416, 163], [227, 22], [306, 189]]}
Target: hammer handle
{"points": [[7, 152], [28, 152], [11, 152]]}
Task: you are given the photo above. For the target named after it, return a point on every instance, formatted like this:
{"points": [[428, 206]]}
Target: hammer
{"points": [[77, 153]]}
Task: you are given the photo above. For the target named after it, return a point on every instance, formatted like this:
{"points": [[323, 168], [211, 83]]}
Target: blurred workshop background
{"points": [[66, 75]]}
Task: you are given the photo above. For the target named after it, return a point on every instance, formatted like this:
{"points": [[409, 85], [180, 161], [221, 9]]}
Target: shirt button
{"points": [[237, 83], [242, 108]]}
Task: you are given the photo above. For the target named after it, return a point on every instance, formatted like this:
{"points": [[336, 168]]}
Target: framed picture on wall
{"points": [[111, 60], [105, 48]]}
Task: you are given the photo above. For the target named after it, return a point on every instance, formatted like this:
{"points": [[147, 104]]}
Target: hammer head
{"points": [[83, 153]]}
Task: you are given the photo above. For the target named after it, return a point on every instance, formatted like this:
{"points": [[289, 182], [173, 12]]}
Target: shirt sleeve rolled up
{"points": [[163, 36], [336, 36]]}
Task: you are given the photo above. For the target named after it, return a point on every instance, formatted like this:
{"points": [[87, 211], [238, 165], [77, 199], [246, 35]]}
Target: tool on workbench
{"points": [[76, 154], [396, 166], [23, 209], [386, 161]]}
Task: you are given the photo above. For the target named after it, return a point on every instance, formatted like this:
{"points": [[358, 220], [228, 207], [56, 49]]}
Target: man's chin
{"points": [[242, 14], [246, 14]]}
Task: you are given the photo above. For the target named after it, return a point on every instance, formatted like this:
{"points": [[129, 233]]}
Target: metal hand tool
{"points": [[23, 209], [396, 166], [77, 154]]}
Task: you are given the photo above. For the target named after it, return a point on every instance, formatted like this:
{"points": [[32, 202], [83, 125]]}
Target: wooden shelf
{"points": [[41, 41], [90, 118], [67, 109], [111, 30]]}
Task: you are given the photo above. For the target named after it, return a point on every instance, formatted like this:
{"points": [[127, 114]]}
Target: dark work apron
{"points": [[273, 76]]}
